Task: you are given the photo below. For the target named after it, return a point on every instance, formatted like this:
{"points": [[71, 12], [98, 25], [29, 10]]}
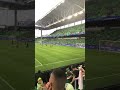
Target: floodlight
{"points": [[63, 19], [48, 25], [54, 23], [69, 17], [80, 12], [59, 21], [75, 14], [55, 7], [59, 4], [62, 1]]}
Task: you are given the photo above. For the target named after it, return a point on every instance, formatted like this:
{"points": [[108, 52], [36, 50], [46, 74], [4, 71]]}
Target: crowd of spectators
{"points": [[75, 30], [102, 8], [70, 78], [93, 37], [65, 42]]}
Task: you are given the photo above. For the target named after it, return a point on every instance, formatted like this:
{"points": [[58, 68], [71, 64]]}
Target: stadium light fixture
{"points": [[76, 14], [80, 12], [69, 17], [63, 19], [55, 23], [59, 21], [62, 1], [59, 4]]}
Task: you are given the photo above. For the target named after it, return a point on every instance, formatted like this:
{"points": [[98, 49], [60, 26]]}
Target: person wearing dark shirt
{"points": [[75, 72], [69, 75]]}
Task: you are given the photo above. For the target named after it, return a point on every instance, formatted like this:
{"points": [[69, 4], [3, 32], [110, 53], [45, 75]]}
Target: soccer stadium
{"points": [[60, 40], [102, 29], [69, 37], [16, 46]]}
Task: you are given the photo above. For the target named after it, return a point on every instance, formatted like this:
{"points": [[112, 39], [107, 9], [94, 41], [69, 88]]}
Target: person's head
{"points": [[67, 69], [58, 79], [73, 67], [39, 80], [80, 67]]}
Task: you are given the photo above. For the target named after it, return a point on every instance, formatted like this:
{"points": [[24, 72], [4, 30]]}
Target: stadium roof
{"points": [[17, 4], [64, 13]]}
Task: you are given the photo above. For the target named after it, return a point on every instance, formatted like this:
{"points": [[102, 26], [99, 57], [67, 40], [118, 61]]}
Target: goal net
{"points": [[108, 45]]}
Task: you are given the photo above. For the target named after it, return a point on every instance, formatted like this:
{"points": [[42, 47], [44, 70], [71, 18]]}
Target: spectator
{"points": [[68, 86], [75, 75], [57, 80], [69, 75], [40, 84], [80, 77]]}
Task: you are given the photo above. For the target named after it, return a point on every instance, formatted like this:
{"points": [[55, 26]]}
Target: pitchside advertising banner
{"points": [[106, 45]]}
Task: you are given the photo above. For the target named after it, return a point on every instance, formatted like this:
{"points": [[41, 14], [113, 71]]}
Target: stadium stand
{"points": [[104, 8], [109, 34], [65, 42], [21, 37], [11, 34], [63, 37], [79, 29]]}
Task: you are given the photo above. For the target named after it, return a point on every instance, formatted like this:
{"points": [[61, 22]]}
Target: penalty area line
{"points": [[7, 83], [38, 62], [59, 62]]}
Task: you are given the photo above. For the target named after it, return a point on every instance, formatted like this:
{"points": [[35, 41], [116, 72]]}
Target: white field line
{"points": [[103, 77], [59, 62], [38, 62], [7, 83], [57, 51]]}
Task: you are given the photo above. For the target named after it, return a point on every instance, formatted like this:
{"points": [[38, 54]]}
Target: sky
{"points": [[44, 32], [42, 7]]}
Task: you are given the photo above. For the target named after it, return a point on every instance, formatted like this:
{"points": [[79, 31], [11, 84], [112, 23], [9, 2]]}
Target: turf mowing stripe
{"points": [[103, 77], [52, 56], [66, 51], [38, 62], [60, 61], [46, 54], [59, 51], [6, 83]]}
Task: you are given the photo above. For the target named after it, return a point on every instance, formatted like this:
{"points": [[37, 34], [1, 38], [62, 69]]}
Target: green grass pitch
{"points": [[16, 66], [46, 58], [102, 69], [50, 57]]}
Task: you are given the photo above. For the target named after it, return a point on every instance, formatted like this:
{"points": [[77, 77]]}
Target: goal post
{"points": [[109, 45]]}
